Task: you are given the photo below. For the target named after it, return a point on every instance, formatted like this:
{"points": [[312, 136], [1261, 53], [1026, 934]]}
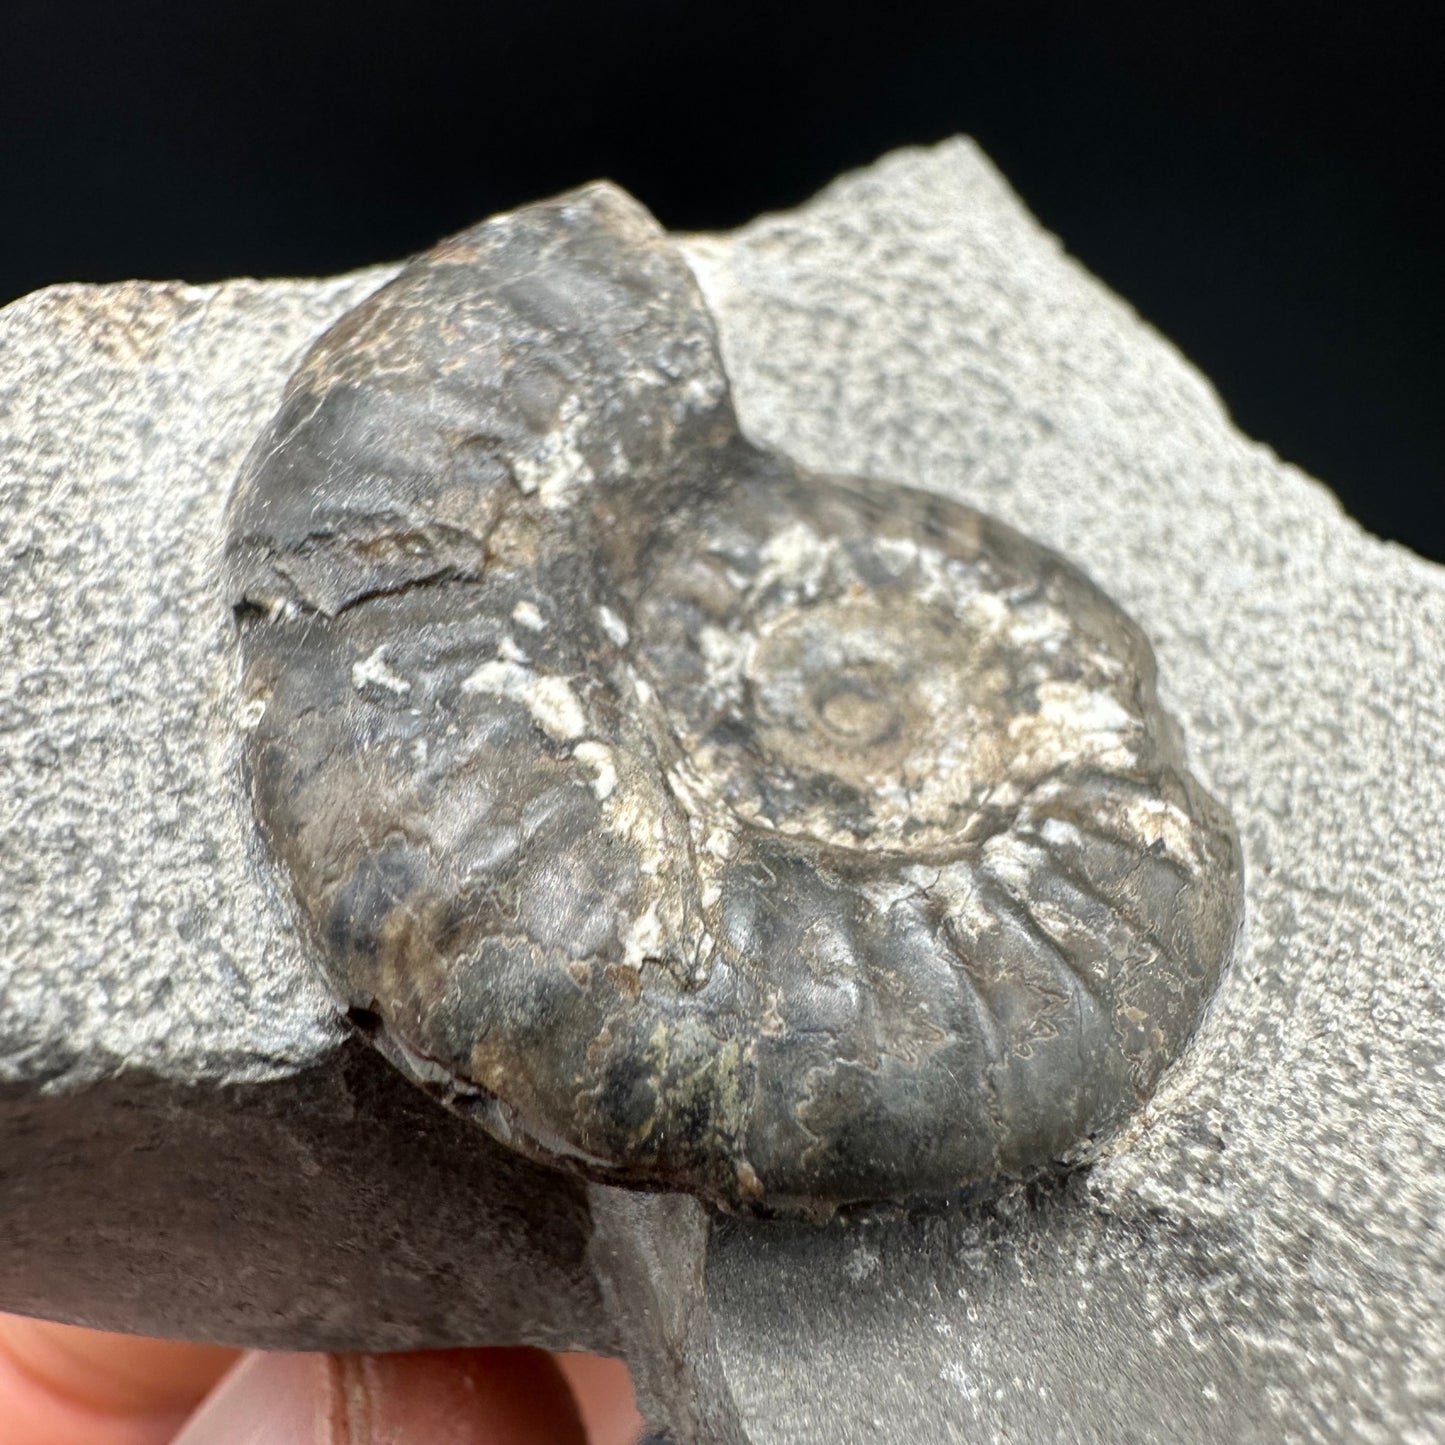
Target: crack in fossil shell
{"points": [[687, 818]]}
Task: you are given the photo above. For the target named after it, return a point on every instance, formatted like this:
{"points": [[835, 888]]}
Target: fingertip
{"points": [[110, 1371], [267, 1399], [605, 1398], [450, 1397], [465, 1397], [60, 1385]]}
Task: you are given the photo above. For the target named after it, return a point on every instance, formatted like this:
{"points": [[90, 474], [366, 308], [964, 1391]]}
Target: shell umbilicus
{"points": [[691, 819]]}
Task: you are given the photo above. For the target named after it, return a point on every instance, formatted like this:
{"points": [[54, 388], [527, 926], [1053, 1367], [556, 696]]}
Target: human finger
{"points": [[60, 1385], [603, 1391], [443, 1397]]}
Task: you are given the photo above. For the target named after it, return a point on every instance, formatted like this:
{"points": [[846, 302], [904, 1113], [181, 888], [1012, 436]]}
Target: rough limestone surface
{"points": [[188, 1142]]}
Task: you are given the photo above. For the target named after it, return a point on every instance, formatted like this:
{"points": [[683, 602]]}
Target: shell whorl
{"points": [[688, 818]]}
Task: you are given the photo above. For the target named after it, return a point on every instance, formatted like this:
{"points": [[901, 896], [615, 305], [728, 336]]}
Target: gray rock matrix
{"points": [[190, 1143]]}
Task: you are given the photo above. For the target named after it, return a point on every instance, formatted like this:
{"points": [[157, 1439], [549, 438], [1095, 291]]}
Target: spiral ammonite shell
{"points": [[693, 820]]}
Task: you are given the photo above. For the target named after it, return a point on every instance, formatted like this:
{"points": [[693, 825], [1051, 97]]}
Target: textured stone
{"points": [[1261, 1256], [189, 1143]]}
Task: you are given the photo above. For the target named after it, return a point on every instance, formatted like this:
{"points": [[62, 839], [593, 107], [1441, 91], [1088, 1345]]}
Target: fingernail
{"points": [[267, 1399]]}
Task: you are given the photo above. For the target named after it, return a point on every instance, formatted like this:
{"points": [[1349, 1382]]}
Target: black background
{"points": [[1263, 182]]}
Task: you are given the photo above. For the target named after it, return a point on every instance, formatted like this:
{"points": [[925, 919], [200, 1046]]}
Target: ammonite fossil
{"points": [[690, 819]]}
